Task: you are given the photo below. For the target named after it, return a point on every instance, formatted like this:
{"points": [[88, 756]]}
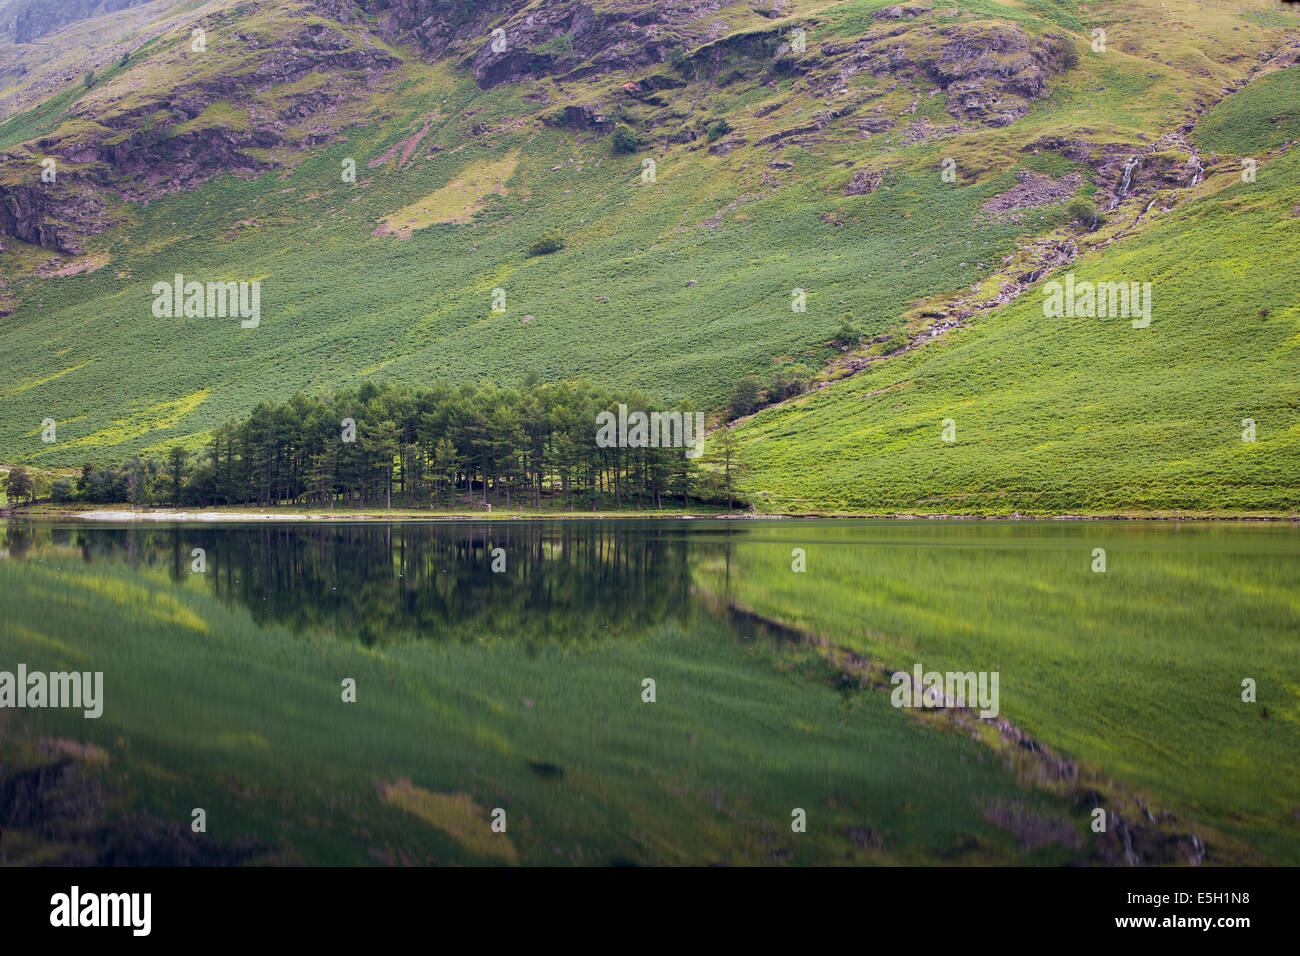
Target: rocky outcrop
{"points": [[509, 41], [574, 39], [586, 119], [990, 70], [1124, 172], [922, 131], [992, 73], [57, 216], [900, 11], [435, 27], [757, 52], [1033, 190], [33, 19], [864, 181], [1079, 150], [554, 39], [156, 146]]}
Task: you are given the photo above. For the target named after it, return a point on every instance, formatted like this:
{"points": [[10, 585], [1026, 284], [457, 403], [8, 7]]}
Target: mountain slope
{"points": [[777, 167], [1087, 414]]}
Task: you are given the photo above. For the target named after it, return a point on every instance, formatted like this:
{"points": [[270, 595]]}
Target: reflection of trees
{"points": [[19, 537], [565, 583]]}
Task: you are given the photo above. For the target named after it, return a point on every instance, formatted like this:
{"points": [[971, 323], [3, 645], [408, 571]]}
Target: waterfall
{"points": [[1128, 178], [1125, 182]]}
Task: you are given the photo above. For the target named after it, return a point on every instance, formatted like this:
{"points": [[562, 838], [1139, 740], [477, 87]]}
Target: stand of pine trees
{"points": [[442, 446]]}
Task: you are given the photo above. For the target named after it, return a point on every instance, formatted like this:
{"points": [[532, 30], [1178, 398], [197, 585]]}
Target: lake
{"points": [[639, 692]]}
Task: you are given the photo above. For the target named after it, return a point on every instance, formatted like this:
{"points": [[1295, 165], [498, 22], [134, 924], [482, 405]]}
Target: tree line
{"points": [[443, 445]]}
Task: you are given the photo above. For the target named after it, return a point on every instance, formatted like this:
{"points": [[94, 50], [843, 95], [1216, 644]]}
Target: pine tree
{"points": [[176, 459], [444, 464]]}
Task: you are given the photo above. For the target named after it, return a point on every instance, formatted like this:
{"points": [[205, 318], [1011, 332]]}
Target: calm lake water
{"points": [[643, 692]]}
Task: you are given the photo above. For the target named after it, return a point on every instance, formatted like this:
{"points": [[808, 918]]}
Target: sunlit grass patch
{"points": [[159, 416], [455, 202], [456, 815]]}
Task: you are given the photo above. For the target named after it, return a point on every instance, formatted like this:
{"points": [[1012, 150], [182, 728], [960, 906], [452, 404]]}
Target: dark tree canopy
{"points": [[437, 446]]}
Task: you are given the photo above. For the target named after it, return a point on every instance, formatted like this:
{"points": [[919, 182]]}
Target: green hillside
{"points": [[1082, 414], [1261, 117], [774, 171]]}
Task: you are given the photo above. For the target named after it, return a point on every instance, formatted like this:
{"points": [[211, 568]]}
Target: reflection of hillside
{"points": [[567, 583]]}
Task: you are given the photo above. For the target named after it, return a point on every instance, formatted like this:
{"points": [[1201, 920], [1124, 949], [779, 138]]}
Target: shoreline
{"points": [[217, 516]]}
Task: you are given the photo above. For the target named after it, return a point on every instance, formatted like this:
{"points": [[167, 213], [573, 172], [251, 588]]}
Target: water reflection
{"points": [[566, 583], [750, 655]]}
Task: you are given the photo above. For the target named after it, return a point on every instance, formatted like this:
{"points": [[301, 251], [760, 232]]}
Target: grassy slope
{"points": [[1262, 116], [86, 351], [249, 725], [1085, 415], [34, 77], [1135, 673]]}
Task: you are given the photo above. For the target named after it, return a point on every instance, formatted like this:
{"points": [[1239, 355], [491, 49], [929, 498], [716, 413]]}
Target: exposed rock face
{"points": [[766, 47], [923, 131], [585, 118], [144, 164], [900, 11], [1033, 190], [574, 39], [1122, 172], [772, 9], [991, 71], [864, 181], [433, 26], [54, 216], [138, 158], [1079, 150], [35, 18], [565, 38]]}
